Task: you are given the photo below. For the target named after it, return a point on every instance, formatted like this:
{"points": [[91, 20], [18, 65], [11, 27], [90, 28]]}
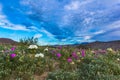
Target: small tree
{"points": [[29, 41]]}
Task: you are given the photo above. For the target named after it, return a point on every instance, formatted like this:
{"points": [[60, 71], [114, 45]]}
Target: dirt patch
{"points": [[41, 77]]}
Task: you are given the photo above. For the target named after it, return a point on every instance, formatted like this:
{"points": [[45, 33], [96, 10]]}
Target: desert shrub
{"points": [[22, 67], [28, 41], [86, 64], [99, 69], [62, 75], [83, 46]]}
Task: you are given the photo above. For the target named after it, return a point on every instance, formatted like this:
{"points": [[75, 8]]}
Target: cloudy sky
{"points": [[60, 21]]}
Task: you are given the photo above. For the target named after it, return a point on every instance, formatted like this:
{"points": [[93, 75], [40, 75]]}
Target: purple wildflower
{"points": [[13, 48], [102, 51], [6, 51], [74, 55], [69, 60], [53, 51], [58, 55], [94, 52], [59, 47], [83, 53], [13, 55]]}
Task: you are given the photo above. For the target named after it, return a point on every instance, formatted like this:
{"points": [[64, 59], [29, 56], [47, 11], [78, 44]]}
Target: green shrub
{"points": [[62, 75], [28, 41], [98, 69]]}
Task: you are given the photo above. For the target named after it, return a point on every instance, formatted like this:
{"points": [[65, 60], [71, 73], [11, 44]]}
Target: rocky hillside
{"points": [[7, 41], [104, 45]]}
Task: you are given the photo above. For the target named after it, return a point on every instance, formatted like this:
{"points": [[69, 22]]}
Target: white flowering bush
{"points": [[46, 49], [39, 55], [33, 47]]}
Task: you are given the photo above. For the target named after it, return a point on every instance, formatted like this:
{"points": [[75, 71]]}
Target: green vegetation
{"points": [[59, 63]]}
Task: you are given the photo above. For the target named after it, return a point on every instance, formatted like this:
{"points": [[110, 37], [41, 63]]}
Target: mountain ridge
{"points": [[7, 41], [104, 44]]}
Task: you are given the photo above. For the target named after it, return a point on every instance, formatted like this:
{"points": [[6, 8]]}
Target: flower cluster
{"points": [[109, 49], [58, 55], [46, 49], [13, 55], [39, 55], [33, 47]]}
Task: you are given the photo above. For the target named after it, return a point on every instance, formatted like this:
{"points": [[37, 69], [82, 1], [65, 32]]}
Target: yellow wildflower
{"points": [[72, 62]]}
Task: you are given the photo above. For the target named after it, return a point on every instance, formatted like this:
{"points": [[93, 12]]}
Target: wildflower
{"points": [[13, 48], [74, 55], [36, 55], [82, 58], [2, 51], [83, 53], [78, 60], [72, 62], [110, 49], [94, 52], [102, 51], [39, 55], [21, 58], [46, 49], [58, 55], [13, 55], [118, 59], [59, 47], [98, 73], [6, 51], [93, 60], [33, 47], [53, 51], [69, 60], [78, 53]]}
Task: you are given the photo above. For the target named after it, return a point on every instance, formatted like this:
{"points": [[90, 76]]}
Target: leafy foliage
{"points": [[85, 64], [29, 41]]}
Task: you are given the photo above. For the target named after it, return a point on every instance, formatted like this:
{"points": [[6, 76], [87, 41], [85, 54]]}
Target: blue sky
{"points": [[60, 21]]}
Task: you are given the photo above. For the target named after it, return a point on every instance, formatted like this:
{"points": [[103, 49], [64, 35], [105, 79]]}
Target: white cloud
{"points": [[38, 35], [113, 25], [110, 32], [87, 20], [8, 25], [5, 23], [79, 40], [87, 37], [63, 40], [113, 35], [43, 42], [74, 5], [25, 2], [74, 15], [66, 20], [99, 32], [86, 2], [47, 33]]}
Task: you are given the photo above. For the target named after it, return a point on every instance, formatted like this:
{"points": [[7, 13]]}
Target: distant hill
{"points": [[84, 43], [94, 45], [104, 45], [7, 41]]}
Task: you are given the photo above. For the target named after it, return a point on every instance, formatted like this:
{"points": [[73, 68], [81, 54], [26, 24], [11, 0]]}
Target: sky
{"points": [[60, 21]]}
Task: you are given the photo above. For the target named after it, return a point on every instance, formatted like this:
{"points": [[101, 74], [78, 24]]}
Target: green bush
{"points": [[98, 69], [91, 66], [28, 41], [62, 75]]}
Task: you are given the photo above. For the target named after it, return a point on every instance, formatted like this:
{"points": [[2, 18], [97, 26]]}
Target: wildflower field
{"points": [[33, 62]]}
